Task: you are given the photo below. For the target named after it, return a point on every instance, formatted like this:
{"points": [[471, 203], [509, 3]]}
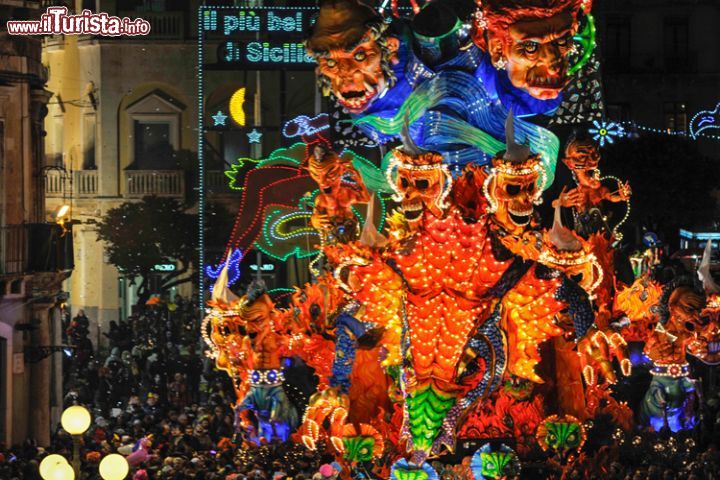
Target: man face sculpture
{"points": [[536, 54], [258, 315], [358, 75], [531, 40], [354, 53], [685, 306], [582, 158]]}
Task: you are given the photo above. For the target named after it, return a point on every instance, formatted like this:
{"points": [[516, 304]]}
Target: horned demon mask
{"points": [[511, 186]]}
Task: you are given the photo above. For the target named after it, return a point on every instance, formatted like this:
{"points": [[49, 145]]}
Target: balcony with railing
{"points": [[34, 248], [77, 184], [163, 183], [216, 183]]}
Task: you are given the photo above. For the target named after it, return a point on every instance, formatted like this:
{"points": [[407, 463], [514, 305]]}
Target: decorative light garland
{"points": [[659, 131], [708, 117], [673, 370], [201, 158], [616, 229], [233, 266], [266, 378], [214, 351]]}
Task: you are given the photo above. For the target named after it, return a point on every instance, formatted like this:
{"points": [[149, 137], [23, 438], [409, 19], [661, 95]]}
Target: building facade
{"points": [[35, 256], [122, 124], [660, 64]]}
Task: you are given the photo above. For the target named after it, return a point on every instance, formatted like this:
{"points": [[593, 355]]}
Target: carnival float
{"points": [[440, 309]]}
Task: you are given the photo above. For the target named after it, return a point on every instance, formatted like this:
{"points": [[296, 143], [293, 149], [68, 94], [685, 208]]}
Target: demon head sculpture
{"points": [[423, 182], [257, 309], [582, 158], [511, 187], [564, 250]]}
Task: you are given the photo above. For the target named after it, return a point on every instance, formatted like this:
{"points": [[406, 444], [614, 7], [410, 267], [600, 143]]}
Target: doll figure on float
{"points": [[688, 325], [669, 402], [582, 157], [341, 187], [274, 415], [244, 342]]}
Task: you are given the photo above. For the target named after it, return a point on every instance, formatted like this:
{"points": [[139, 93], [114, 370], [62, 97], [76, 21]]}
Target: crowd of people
{"points": [[155, 398]]}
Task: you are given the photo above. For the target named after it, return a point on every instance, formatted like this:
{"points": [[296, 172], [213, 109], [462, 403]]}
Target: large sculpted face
{"points": [[532, 41], [421, 185], [514, 196], [536, 53], [356, 76]]}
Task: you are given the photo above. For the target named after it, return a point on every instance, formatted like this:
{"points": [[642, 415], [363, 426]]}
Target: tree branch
{"points": [[168, 286], [174, 274]]}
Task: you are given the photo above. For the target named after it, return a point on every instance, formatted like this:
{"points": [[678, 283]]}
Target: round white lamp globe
{"points": [[48, 464], [76, 420], [114, 467], [60, 471]]}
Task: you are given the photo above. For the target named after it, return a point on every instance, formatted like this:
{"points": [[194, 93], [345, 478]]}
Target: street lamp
{"points": [[114, 467], [76, 420], [62, 211], [52, 467], [61, 471]]}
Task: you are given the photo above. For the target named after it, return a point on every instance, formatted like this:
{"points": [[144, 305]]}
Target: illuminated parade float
{"points": [[444, 320]]}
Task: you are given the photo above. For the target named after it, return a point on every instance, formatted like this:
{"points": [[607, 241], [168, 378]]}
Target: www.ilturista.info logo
{"points": [[56, 21]]}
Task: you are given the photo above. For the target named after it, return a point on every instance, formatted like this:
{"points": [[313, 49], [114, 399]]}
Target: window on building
{"points": [[154, 127], [154, 5], [675, 39], [89, 142], [54, 141], [617, 44], [619, 112], [152, 148], [675, 117]]}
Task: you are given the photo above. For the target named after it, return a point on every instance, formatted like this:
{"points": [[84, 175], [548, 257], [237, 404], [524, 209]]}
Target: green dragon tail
{"points": [[426, 410]]}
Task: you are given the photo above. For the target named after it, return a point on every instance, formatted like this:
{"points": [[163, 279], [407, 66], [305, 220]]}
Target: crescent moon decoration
{"points": [[236, 107]]}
